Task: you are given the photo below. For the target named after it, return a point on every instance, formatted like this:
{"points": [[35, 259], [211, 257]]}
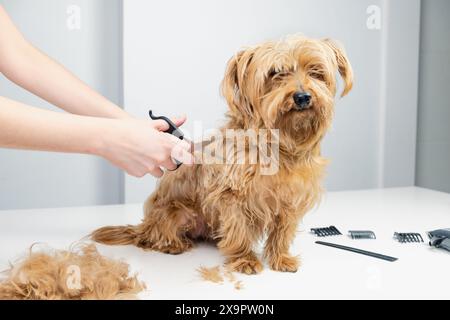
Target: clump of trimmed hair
{"points": [[218, 275], [80, 273], [210, 274]]}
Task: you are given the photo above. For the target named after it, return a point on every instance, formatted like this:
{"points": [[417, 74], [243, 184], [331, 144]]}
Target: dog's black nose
{"points": [[302, 100]]}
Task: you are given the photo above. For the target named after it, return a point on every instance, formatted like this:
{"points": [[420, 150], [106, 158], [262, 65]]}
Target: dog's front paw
{"points": [[284, 263], [248, 264]]}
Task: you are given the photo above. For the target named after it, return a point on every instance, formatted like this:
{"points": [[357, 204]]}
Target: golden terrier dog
{"points": [[289, 87]]}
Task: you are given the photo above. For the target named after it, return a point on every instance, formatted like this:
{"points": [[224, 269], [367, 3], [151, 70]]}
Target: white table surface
{"points": [[420, 272]]}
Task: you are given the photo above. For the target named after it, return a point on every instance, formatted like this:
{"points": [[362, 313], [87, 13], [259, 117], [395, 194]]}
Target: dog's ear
{"points": [[233, 82], [344, 66]]}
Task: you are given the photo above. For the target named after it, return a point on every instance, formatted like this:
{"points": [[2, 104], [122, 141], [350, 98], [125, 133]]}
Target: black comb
{"points": [[408, 237], [359, 251], [325, 232]]}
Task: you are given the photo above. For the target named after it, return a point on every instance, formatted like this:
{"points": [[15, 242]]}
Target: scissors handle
{"points": [[173, 130]]}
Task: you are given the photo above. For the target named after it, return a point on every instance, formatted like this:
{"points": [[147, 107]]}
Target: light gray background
{"points": [[175, 54], [40, 179], [433, 138], [398, 96]]}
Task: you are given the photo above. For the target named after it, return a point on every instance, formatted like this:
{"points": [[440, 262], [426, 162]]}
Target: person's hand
{"points": [[140, 146]]}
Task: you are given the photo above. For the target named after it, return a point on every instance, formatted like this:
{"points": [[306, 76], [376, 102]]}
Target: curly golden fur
{"points": [[234, 204], [53, 276]]}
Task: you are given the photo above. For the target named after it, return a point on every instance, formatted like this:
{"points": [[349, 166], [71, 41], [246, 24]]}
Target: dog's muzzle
{"points": [[302, 100]]}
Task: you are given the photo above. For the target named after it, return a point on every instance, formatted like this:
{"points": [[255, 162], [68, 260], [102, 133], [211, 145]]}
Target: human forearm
{"points": [[31, 69], [24, 127], [136, 146]]}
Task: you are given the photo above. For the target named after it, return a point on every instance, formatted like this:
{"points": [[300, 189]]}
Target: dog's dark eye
{"points": [[277, 74], [317, 75], [273, 73]]}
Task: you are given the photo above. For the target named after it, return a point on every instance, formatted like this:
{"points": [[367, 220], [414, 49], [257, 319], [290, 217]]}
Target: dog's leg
{"points": [[169, 216], [236, 243], [281, 234], [165, 231]]}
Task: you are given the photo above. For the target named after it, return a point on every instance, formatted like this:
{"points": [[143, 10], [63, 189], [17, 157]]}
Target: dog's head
{"points": [[288, 85]]}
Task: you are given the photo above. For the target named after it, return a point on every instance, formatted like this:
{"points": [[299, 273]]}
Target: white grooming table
{"points": [[420, 272]]}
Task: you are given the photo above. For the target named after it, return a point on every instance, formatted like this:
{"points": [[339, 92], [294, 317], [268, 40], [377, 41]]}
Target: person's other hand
{"points": [[141, 146]]}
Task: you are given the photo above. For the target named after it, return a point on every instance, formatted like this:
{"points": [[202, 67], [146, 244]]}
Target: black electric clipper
{"points": [[440, 238], [173, 130]]}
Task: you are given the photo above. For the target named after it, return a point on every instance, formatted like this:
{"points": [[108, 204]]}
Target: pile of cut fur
{"points": [[77, 274], [216, 275]]}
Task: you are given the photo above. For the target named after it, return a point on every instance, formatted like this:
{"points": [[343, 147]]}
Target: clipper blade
{"points": [[408, 237], [325, 232], [363, 234]]}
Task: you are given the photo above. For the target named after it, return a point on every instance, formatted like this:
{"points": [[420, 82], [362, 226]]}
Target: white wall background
{"points": [[39, 179], [433, 137], [174, 58], [175, 53]]}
